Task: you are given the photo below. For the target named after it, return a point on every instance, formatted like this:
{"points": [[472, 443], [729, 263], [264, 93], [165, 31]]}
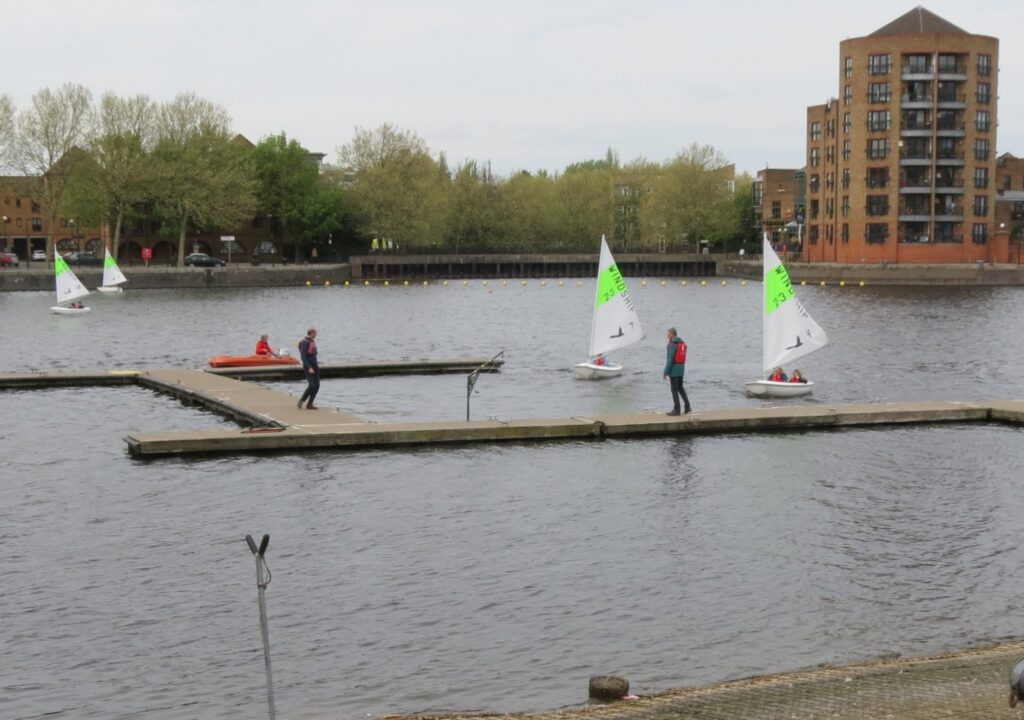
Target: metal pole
{"points": [[472, 378], [261, 584]]}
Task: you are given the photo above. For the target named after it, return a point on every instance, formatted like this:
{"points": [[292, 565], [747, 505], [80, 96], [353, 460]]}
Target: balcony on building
{"points": [[915, 232], [917, 67], [949, 97], [916, 153], [916, 181], [952, 67]]}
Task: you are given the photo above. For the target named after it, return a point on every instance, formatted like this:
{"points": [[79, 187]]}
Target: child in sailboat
{"points": [[797, 377], [599, 360], [778, 376]]}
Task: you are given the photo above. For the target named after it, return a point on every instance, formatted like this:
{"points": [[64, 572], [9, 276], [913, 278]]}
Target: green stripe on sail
{"points": [[60, 265], [609, 284], [777, 289], [109, 262]]}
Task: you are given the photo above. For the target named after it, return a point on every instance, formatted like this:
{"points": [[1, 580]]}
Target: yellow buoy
{"points": [[663, 283], [543, 282], [842, 283], [445, 283], [465, 283], [425, 283], [682, 282], [386, 283], [723, 282], [743, 282], [862, 283], [406, 283], [327, 283], [643, 283], [366, 282], [346, 283], [522, 282], [578, 283], [803, 282], [308, 283], [561, 283], [823, 283], [504, 283], [703, 282], [484, 283]]}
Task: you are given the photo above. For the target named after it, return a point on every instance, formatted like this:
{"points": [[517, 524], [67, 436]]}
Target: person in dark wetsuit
{"points": [[307, 353]]}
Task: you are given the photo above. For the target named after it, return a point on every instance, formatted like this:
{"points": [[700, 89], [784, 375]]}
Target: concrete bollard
{"points": [[608, 687]]}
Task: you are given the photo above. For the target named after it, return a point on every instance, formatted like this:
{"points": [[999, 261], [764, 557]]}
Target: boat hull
{"points": [[590, 371], [251, 360], [110, 288], [61, 310], [768, 388]]}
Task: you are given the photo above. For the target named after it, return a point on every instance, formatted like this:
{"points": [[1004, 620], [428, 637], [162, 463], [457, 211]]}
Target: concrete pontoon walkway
{"points": [[971, 685]]}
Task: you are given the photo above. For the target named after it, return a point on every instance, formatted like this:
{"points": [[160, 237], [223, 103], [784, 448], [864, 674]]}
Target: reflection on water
{"points": [[451, 578]]}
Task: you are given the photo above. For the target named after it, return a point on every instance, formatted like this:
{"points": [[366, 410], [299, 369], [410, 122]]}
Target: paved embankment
{"points": [[972, 685], [319, 434]]}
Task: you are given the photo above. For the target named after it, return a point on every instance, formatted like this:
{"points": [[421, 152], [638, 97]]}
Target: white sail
{"points": [[789, 331], [69, 287], [112, 274], [616, 324]]}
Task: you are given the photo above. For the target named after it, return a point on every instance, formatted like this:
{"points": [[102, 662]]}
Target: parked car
{"points": [[203, 260], [38, 254], [82, 258], [8, 259]]}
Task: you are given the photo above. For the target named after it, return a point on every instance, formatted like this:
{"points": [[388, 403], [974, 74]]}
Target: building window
{"points": [[830, 181], [849, 67], [815, 131], [979, 233], [813, 234], [879, 92], [1007, 182], [879, 64], [981, 149], [36, 207], [846, 149], [846, 233], [844, 207], [815, 157], [917, 64], [847, 95], [813, 183], [878, 120], [981, 177], [984, 65], [917, 91], [846, 178], [947, 63], [946, 149], [814, 209], [847, 122], [876, 233], [981, 120], [984, 93], [980, 205], [917, 120], [878, 177], [831, 128], [776, 209], [19, 222], [830, 154], [877, 205], [878, 149], [830, 208]]}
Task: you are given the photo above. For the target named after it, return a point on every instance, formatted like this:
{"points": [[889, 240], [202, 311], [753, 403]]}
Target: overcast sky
{"points": [[523, 84]]}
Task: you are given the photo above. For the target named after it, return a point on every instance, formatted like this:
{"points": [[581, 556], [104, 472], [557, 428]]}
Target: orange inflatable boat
{"points": [[251, 360]]}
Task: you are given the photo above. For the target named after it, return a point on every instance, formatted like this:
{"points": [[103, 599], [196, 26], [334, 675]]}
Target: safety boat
{"points": [[224, 361]]}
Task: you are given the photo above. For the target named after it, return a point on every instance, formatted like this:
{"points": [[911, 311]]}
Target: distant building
{"points": [[902, 167], [780, 206]]}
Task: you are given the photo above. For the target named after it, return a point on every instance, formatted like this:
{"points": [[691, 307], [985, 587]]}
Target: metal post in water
{"points": [[472, 378], [261, 584]]}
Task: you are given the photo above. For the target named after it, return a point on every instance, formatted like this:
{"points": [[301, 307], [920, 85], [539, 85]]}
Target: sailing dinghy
{"points": [[113, 278], [788, 331], [615, 324], [69, 288]]}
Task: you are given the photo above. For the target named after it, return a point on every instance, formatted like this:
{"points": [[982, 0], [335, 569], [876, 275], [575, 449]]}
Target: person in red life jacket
{"points": [[778, 376], [307, 353], [798, 377], [675, 368], [263, 347], [599, 361]]}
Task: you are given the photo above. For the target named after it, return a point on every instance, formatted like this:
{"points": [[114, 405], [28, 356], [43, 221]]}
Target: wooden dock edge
{"points": [[744, 420]]}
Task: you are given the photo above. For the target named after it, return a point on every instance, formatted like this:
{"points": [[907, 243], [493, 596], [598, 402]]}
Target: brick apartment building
{"points": [[902, 167]]}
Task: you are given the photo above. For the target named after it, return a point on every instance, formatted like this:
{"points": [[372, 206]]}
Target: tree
{"points": [[45, 134], [399, 192], [476, 217], [202, 178], [7, 133], [586, 206], [286, 183], [117, 172], [690, 197], [532, 212]]}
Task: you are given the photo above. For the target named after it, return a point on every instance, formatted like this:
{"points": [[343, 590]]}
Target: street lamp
{"points": [[7, 240]]}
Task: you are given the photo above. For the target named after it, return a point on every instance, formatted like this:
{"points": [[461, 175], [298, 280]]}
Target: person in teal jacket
{"points": [[674, 371]]}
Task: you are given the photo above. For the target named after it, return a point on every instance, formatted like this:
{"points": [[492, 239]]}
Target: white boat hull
{"points": [[110, 288], [61, 310], [590, 371], [768, 388]]}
